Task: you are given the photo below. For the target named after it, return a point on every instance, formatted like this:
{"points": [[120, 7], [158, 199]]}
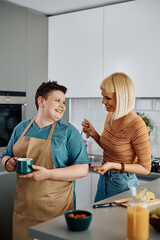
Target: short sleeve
{"points": [[8, 150], [77, 152], [15, 136]]}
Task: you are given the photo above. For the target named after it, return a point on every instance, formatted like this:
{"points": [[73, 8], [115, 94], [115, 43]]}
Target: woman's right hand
{"points": [[11, 164], [88, 128]]}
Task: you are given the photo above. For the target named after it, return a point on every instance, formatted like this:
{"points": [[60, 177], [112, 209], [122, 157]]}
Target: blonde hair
{"points": [[122, 85]]}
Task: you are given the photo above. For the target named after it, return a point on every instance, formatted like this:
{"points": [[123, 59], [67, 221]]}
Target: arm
{"points": [[88, 128], [70, 173], [131, 168], [11, 163], [77, 165]]}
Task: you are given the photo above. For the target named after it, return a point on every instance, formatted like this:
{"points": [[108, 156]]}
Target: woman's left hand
{"points": [[102, 169], [39, 174]]}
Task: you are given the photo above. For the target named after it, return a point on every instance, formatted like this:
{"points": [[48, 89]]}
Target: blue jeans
{"points": [[114, 182]]}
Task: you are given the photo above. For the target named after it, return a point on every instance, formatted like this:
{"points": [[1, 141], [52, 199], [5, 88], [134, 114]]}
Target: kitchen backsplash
{"points": [[95, 112]]}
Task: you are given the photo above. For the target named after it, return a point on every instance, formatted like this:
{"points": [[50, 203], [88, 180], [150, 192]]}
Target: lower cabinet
{"points": [[95, 178], [86, 189], [7, 189]]}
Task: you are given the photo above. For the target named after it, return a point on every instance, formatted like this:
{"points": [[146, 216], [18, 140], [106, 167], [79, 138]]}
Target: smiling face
{"points": [[109, 100], [53, 107]]}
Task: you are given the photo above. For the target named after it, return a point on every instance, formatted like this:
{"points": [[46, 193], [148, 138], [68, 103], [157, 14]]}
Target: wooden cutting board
{"points": [[124, 202]]}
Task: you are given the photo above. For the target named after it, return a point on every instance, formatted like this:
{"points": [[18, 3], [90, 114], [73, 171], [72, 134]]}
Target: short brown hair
{"points": [[46, 87]]}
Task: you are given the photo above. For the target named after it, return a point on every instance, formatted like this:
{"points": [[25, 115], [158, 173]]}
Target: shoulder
{"points": [[138, 122], [68, 128], [133, 120], [22, 125], [136, 127]]}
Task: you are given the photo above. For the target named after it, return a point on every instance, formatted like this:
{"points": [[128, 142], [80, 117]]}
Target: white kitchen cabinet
{"points": [[23, 52], [86, 189], [75, 56], [83, 191], [12, 48], [95, 178], [131, 43]]}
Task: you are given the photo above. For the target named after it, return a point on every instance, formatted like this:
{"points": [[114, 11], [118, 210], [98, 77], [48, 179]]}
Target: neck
{"points": [[42, 122], [115, 124]]}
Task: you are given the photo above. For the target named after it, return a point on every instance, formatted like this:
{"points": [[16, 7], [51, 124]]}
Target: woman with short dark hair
{"points": [[59, 158]]}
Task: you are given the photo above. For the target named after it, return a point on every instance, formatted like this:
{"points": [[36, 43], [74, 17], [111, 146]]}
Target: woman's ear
{"points": [[40, 101]]}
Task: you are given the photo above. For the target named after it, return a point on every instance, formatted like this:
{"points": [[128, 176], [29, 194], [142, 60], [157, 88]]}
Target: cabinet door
{"points": [[12, 47], [95, 178], [131, 43], [76, 52], [83, 191]]}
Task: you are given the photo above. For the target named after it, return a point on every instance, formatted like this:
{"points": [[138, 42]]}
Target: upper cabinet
{"points": [[76, 52], [87, 46], [132, 43], [12, 48]]}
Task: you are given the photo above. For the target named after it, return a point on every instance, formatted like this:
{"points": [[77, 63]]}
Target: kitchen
{"points": [[24, 47]]}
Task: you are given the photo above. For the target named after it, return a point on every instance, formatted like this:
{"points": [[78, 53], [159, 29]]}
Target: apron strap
{"points": [[29, 125], [51, 131], [26, 129]]}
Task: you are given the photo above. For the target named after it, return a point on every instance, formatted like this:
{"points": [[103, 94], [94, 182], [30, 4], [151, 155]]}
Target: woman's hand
{"points": [[11, 164], [102, 169], [40, 174], [88, 128]]}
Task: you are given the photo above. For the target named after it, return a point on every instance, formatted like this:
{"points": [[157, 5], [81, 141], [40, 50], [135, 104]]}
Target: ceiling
{"points": [[54, 7]]}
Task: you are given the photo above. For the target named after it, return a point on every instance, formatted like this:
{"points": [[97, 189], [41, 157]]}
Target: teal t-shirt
{"points": [[67, 145]]}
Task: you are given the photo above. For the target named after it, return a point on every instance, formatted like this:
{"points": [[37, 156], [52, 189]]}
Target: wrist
{"points": [[96, 136], [113, 166], [49, 174], [122, 167], [6, 161]]}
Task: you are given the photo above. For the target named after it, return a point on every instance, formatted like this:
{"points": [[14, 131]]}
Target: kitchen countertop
{"points": [[107, 223]]}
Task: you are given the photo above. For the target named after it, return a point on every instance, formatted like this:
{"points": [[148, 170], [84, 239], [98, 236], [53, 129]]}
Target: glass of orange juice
{"points": [[138, 216]]}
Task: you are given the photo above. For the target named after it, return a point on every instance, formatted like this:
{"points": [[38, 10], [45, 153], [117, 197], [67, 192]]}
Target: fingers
{"points": [[38, 175], [11, 165], [36, 167], [99, 169], [86, 126], [30, 175], [85, 123]]}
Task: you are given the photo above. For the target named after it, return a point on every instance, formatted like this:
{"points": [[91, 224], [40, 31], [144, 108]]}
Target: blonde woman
{"points": [[124, 138]]}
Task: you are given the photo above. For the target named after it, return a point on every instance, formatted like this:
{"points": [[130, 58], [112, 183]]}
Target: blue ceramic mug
{"points": [[24, 165]]}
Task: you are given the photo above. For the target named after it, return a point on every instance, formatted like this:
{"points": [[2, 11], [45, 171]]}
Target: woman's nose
{"points": [[104, 101], [61, 105]]}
